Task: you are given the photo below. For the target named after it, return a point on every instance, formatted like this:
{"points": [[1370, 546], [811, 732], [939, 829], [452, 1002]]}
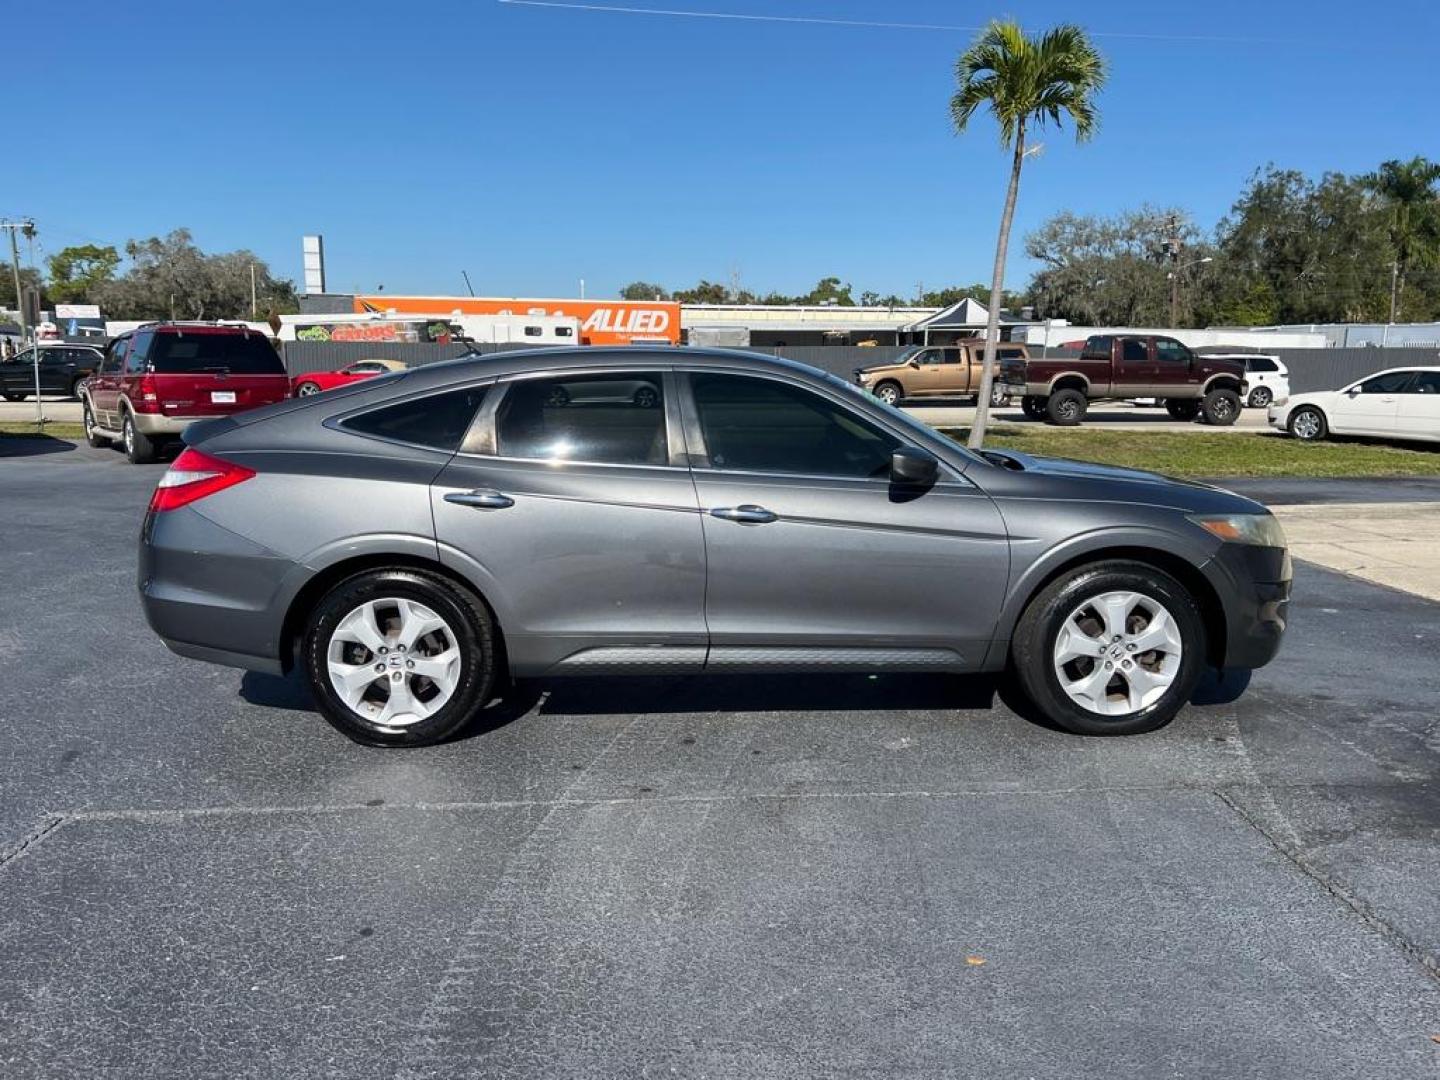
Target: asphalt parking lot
{"points": [[701, 877]]}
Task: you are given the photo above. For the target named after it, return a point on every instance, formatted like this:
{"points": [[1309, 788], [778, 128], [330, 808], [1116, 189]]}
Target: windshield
{"points": [[900, 416]]}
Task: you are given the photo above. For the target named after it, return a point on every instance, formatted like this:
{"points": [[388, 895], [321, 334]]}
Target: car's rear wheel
{"points": [[400, 657], [1066, 407], [1184, 409], [1114, 648], [998, 395], [75, 387], [645, 398], [305, 389], [1261, 397], [139, 448], [13, 397], [1308, 424], [1033, 406], [889, 393], [87, 417], [1220, 408]]}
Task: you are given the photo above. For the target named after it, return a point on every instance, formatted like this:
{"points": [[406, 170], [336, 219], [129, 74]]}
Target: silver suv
{"points": [[414, 541]]}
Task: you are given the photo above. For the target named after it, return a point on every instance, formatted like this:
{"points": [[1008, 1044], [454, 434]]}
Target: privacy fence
{"points": [[1310, 369]]}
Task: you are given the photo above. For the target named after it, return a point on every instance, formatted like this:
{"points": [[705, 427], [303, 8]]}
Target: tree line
{"points": [[167, 277], [1292, 249]]}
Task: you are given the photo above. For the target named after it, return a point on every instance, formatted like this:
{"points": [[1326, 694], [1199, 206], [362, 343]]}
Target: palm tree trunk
{"points": [[997, 290]]}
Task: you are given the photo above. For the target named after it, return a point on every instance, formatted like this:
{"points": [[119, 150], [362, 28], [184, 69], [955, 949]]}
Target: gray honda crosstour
{"points": [[413, 541]]}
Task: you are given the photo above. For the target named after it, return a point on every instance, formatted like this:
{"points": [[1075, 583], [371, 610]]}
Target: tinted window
{"points": [[365, 367], [1097, 348], [1171, 351], [139, 351], [438, 421], [534, 331], [1134, 352], [762, 425], [1007, 354], [1260, 363], [928, 356], [1426, 382], [1390, 383], [238, 354], [614, 419], [115, 355]]}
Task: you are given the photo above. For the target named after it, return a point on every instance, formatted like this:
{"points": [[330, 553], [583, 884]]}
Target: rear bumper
{"points": [[210, 593], [163, 424]]}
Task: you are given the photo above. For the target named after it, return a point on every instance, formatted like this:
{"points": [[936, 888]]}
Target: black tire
{"points": [[88, 419], [1183, 409], [647, 397], [307, 388], [557, 397], [75, 388], [1066, 407], [139, 447], [890, 392], [999, 396], [464, 613], [14, 397], [1260, 397], [1220, 408], [1033, 406], [1033, 643], [1305, 431]]}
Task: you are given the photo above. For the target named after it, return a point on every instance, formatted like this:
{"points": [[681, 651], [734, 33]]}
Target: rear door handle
{"points": [[747, 514], [480, 500]]}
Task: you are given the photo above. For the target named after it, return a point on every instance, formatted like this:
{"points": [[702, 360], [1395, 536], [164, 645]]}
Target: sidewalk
{"points": [[1394, 544]]}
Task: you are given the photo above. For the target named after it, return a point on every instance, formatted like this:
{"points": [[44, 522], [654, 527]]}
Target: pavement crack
{"points": [[30, 839], [1358, 907]]}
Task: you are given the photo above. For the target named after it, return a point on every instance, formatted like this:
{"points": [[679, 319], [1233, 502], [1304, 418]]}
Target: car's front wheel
{"points": [[305, 389], [889, 393], [1307, 423], [1113, 648], [92, 437], [1183, 409], [400, 657], [8, 396]]}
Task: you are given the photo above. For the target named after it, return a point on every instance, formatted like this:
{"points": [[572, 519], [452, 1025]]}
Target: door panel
{"points": [[928, 379], [852, 564], [1372, 408], [1172, 365], [1134, 366], [1419, 412], [581, 556]]}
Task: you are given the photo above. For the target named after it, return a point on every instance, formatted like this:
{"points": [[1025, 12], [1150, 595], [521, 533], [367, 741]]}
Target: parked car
{"points": [[1267, 378], [412, 543], [62, 368], [316, 381], [1402, 403], [938, 371], [1119, 366], [157, 379]]}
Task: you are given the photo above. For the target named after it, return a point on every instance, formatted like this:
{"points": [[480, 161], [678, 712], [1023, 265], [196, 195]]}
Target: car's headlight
{"points": [[863, 376], [1261, 530]]}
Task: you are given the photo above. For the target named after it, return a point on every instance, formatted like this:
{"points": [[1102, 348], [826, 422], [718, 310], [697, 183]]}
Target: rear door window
{"points": [[1427, 382], [438, 421], [1135, 351], [605, 418], [204, 353], [139, 352], [1097, 348]]}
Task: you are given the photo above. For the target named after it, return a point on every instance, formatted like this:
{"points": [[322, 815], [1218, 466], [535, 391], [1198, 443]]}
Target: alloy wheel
{"points": [[1260, 397], [306, 389], [393, 662], [1117, 653], [1306, 424]]}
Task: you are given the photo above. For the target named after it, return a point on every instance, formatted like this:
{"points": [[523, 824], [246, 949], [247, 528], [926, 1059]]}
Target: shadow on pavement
{"points": [[13, 446]]}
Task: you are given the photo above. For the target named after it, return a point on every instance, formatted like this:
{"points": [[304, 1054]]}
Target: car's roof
{"points": [[511, 361]]}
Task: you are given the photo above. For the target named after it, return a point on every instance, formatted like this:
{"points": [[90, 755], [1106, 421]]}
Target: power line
{"points": [[808, 20]]}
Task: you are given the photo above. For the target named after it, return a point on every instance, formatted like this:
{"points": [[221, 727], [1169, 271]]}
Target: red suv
{"points": [[158, 378]]}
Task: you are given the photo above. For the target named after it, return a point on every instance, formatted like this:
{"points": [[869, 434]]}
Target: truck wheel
{"points": [[889, 393], [999, 396], [138, 448], [1033, 406], [92, 437], [1183, 408], [1220, 407], [1066, 408]]}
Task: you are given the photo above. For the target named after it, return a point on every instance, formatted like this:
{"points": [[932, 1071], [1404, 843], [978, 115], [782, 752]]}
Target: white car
{"points": [[1402, 403], [1267, 379]]}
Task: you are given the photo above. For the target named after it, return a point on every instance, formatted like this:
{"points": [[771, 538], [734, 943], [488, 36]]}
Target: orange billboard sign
{"points": [[602, 322]]}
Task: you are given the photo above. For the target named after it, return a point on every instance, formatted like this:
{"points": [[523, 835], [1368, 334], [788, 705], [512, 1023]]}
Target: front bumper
{"points": [[1254, 586]]}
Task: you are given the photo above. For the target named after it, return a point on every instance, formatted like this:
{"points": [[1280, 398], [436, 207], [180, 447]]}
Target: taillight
{"points": [[147, 399], [193, 476]]}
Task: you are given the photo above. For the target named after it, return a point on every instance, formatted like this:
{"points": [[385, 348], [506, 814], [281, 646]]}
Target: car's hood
{"points": [[1064, 478], [1314, 397]]}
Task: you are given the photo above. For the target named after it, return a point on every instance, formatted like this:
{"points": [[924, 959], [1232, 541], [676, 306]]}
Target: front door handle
{"points": [[748, 514], [480, 500]]}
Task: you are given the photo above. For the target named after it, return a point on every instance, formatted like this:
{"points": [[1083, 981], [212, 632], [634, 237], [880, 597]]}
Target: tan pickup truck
{"points": [[935, 371]]}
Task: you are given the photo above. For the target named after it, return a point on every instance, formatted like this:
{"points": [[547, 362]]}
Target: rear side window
{"points": [[1427, 382], [614, 419], [1135, 351], [1097, 348], [198, 353], [1261, 363], [438, 421]]}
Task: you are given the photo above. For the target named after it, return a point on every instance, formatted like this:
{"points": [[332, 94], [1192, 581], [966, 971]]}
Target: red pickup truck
{"points": [[1060, 389]]}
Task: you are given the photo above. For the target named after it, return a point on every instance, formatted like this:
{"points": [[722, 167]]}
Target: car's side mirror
{"points": [[912, 363], [1354, 391], [911, 465]]}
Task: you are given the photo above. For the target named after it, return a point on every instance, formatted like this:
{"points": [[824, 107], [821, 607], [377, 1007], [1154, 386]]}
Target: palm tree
{"points": [[1409, 189], [1025, 81]]}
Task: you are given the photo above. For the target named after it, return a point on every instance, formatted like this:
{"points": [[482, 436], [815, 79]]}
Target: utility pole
{"points": [[1172, 248], [28, 228], [1394, 294], [254, 307]]}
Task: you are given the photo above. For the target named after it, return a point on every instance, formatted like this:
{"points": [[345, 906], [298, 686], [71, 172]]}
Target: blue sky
{"points": [[535, 146]]}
